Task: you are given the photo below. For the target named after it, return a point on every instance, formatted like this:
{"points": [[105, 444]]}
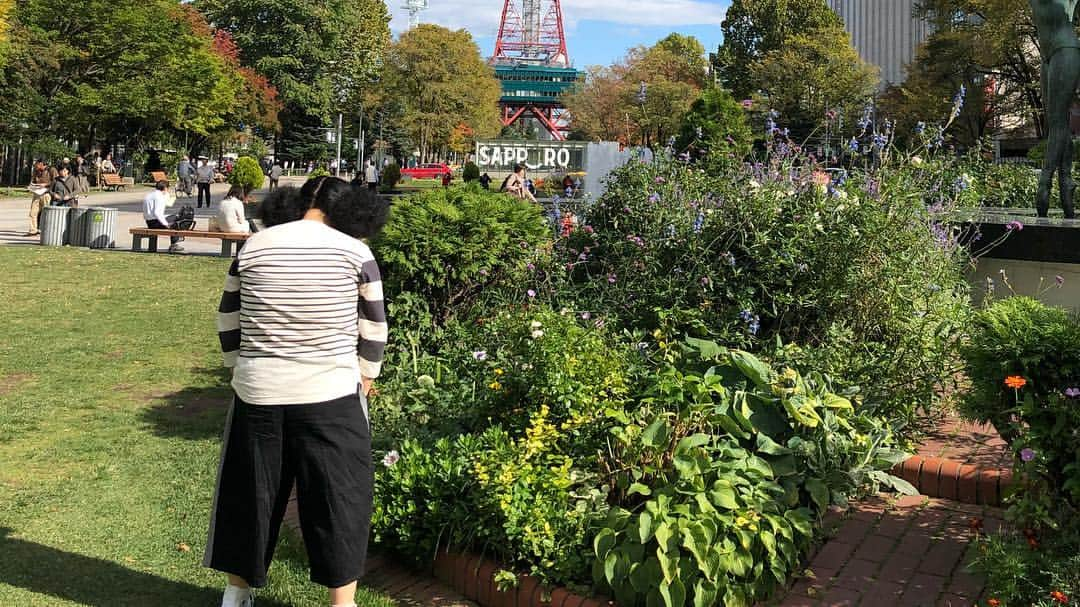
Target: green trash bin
{"points": [[101, 227], [76, 226], [54, 221]]}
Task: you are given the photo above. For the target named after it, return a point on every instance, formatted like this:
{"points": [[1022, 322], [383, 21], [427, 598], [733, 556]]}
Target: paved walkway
{"points": [[14, 220]]}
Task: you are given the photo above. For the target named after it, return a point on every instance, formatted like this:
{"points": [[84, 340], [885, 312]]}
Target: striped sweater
{"points": [[302, 316]]}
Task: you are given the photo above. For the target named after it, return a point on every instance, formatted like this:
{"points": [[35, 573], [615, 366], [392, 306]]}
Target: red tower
{"points": [[532, 62], [531, 31]]}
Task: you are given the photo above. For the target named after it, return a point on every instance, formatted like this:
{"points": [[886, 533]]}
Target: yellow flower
{"points": [[498, 371], [495, 385]]}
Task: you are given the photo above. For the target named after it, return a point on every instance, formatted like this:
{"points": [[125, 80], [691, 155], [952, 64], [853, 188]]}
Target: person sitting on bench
{"points": [[230, 217], [154, 212]]}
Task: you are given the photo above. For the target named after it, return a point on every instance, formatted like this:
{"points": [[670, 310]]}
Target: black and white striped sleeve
{"points": [[228, 322], [372, 321]]}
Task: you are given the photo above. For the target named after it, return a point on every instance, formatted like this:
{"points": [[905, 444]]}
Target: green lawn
{"points": [[112, 402]]}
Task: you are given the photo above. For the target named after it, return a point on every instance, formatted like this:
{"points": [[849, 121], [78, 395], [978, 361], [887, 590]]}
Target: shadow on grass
{"points": [[95, 582], [193, 413]]}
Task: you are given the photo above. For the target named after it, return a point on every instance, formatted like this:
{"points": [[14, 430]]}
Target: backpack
{"points": [[502, 188], [185, 218]]}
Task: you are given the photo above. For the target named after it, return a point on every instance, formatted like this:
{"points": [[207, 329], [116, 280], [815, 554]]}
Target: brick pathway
{"points": [[887, 551], [966, 443]]}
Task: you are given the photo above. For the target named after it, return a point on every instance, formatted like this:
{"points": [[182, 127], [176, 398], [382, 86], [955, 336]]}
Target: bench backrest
{"points": [[112, 178]]}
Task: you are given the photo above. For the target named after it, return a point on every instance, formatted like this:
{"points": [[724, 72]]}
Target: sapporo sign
{"points": [[540, 156]]}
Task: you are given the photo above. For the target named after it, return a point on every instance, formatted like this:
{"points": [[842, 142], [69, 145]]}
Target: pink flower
{"points": [[1027, 454], [391, 458], [1072, 392], [611, 278], [1059, 280], [530, 293], [1014, 225], [747, 104]]}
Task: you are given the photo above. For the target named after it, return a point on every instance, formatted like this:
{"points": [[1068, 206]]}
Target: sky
{"points": [[598, 32]]}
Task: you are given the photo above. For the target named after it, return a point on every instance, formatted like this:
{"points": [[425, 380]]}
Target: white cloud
{"points": [[481, 17]]}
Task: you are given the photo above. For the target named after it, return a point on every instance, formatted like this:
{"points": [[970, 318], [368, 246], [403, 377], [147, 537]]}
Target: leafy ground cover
{"points": [[112, 402]]}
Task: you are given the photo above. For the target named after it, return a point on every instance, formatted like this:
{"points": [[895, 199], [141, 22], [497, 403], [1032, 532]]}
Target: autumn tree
{"points": [[812, 74], [437, 82], [715, 130], [6, 8], [754, 28], [644, 98]]}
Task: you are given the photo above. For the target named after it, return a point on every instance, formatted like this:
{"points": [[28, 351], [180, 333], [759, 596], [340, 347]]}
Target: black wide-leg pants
{"points": [[326, 449]]}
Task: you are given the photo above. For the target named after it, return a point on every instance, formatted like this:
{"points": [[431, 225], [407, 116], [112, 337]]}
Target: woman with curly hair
{"points": [[303, 327]]}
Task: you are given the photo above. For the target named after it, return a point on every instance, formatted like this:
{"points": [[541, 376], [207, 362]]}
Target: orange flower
{"points": [[1034, 543], [975, 524], [1059, 597], [1015, 382], [993, 603]]}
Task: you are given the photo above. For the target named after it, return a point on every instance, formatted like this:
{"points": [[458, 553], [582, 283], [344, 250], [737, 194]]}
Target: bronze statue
{"points": [[1060, 75]]}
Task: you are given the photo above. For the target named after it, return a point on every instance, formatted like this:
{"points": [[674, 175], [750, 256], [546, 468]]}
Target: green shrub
{"points": [[1019, 576], [247, 174], [862, 272], [446, 249], [391, 175], [319, 171], [716, 131], [1010, 185], [471, 172], [1036, 345]]}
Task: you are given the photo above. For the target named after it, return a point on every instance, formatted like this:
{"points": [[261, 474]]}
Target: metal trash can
{"points": [[53, 226], [101, 228], [76, 226]]}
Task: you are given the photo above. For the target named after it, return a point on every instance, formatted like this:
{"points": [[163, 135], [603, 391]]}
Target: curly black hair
{"points": [[352, 209]]}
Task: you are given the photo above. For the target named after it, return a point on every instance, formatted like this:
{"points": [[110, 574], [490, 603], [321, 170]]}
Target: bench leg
{"points": [[136, 243], [226, 248], [153, 243]]}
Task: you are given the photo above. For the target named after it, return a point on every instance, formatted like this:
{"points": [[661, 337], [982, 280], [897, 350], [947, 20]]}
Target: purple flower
{"points": [[746, 315], [705, 281], [530, 293], [588, 229], [1014, 225], [611, 278], [1072, 392], [585, 316], [659, 180], [583, 257], [480, 355], [654, 197], [747, 104], [1027, 454], [484, 272], [1059, 280], [530, 267]]}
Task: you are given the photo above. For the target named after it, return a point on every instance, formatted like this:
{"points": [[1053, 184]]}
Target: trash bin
{"points": [[53, 226], [101, 228], [76, 226]]}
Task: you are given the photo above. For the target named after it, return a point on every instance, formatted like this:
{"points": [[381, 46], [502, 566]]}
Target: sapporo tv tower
{"points": [[533, 65]]}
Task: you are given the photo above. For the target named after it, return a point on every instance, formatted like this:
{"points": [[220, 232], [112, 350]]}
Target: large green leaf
{"points": [[819, 492], [603, 543], [755, 370], [646, 575], [656, 434], [709, 350], [674, 593]]}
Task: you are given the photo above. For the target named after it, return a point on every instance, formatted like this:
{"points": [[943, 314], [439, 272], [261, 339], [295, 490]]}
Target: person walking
{"points": [[371, 174], [64, 190], [275, 174], [154, 205], [40, 183], [185, 173], [303, 326], [79, 171], [204, 176]]}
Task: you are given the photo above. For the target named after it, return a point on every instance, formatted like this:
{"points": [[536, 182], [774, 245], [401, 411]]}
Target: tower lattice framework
{"points": [[531, 31]]}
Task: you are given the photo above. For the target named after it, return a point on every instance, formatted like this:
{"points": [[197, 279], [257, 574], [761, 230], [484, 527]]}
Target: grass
{"points": [[112, 402]]}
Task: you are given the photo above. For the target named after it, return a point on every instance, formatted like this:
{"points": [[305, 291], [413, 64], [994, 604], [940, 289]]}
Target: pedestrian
{"points": [[275, 175], [40, 182], [371, 174], [185, 175], [64, 190], [485, 181], [300, 411], [78, 171], [515, 184], [204, 176], [154, 213], [446, 180]]}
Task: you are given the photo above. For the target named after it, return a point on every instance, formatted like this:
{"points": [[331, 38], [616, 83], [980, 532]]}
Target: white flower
{"points": [[754, 185], [535, 325], [916, 160], [480, 355], [391, 458], [537, 334], [426, 381]]}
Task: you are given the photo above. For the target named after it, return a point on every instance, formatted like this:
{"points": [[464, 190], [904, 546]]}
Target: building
{"points": [[885, 32]]}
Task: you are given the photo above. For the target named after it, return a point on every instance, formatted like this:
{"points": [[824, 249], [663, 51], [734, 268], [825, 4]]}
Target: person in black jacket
{"points": [[65, 189]]}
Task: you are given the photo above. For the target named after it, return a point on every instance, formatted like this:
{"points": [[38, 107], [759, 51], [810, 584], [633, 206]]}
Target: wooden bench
{"points": [[112, 180], [157, 176], [228, 239]]}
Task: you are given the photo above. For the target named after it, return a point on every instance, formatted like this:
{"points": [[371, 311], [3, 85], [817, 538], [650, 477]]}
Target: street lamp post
{"points": [[337, 166]]}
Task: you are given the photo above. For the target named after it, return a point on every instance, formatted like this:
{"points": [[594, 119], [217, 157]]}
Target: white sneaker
{"points": [[237, 597]]}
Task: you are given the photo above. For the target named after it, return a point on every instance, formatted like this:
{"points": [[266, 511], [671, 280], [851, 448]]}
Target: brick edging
{"points": [[474, 577], [967, 484]]}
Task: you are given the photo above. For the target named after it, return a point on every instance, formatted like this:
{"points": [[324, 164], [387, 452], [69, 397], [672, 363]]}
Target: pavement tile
{"points": [[923, 589], [893, 524], [965, 583], [914, 543], [853, 531], [832, 556], [875, 548], [841, 597], [883, 593], [943, 558], [857, 574], [900, 568]]}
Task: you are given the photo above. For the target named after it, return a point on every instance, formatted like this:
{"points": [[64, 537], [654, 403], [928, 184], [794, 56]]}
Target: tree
{"points": [[318, 54], [6, 7], [812, 74], [754, 28], [715, 129], [643, 98], [440, 82]]}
